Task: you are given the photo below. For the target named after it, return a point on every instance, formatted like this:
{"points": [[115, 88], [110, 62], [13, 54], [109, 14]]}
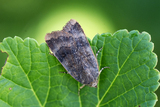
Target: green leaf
{"points": [[31, 75]]}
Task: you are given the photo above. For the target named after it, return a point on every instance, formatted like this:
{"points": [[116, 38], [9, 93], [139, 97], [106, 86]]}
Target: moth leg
{"points": [[80, 89], [98, 52], [63, 72], [102, 70], [51, 53]]}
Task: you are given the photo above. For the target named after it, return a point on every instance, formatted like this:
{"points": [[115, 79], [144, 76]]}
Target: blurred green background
{"points": [[35, 18]]}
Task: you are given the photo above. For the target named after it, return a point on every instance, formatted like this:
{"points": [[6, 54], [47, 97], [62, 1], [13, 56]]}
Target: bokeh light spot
{"points": [[92, 22]]}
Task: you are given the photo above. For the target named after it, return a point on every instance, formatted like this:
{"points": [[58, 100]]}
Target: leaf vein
{"points": [[119, 69]]}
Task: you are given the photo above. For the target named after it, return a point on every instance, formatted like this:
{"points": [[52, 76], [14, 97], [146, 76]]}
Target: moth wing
{"points": [[59, 40], [89, 61], [70, 46]]}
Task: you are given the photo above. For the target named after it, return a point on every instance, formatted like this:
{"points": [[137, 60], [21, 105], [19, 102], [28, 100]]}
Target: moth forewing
{"points": [[71, 47]]}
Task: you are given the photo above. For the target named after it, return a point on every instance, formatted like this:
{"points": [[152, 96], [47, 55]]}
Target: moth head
{"points": [[94, 84]]}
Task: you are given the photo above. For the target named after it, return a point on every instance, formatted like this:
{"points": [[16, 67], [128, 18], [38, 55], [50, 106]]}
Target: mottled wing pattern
{"points": [[72, 49]]}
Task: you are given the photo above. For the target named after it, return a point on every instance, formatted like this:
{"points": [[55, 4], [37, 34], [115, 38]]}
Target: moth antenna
{"points": [[98, 52], [102, 70]]}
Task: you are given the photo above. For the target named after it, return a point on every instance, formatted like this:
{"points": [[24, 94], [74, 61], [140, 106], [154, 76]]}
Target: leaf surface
{"points": [[31, 75]]}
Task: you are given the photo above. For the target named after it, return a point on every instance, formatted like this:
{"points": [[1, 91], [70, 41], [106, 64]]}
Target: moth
{"points": [[71, 47]]}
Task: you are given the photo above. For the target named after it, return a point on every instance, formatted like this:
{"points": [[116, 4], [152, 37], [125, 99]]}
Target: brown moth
{"points": [[71, 47]]}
